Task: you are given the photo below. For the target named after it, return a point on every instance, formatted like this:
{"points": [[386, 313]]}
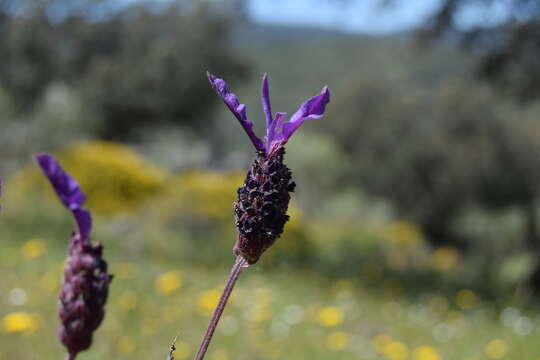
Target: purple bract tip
{"points": [[278, 132], [68, 190]]}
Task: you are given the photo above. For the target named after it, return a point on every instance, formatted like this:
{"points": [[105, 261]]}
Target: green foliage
{"points": [[508, 47], [132, 68], [433, 153]]}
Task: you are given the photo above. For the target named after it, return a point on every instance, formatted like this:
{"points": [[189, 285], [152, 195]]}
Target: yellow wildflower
{"points": [[396, 350], [168, 282], [208, 301], [20, 322], [426, 353], [465, 299], [337, 341], [496, 349], [330, 316], [33, 248]]}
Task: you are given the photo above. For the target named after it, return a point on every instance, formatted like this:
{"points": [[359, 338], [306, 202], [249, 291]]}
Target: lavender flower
{"points": [[86, 282], [263, 199]]}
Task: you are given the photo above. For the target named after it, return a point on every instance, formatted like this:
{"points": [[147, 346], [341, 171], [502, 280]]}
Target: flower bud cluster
{"points": [[261, 207]]}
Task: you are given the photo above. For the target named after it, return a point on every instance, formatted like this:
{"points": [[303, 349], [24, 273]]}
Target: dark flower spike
{"points": [[86, 281], [69, 192], [263, 199]]}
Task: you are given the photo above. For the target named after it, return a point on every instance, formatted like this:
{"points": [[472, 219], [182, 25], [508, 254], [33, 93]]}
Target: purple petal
{"points": [[84, 222], [66, 187], [239, 110], [274, 131], [265, 96], [69, 192], [312, 109]]}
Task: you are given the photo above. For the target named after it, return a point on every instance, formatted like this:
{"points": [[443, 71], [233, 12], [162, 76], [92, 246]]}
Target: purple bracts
{"points": [[86, 281], [278, 131], [68, 190], [261, 207]]}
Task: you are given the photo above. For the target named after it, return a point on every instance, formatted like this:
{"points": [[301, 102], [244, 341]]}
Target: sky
{"points": [[361, 16], [357, 16], [368, 16]]}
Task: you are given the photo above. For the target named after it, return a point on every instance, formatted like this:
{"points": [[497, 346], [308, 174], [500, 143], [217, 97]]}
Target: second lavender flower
{"points": [[86, 282]]}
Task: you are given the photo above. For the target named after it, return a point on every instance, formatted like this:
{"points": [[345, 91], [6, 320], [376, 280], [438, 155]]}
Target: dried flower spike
{"points": [[263, 199], [86, 281]]}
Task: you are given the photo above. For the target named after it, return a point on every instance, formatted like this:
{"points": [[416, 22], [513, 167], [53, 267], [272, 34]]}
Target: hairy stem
{"points": [[236, 270]]}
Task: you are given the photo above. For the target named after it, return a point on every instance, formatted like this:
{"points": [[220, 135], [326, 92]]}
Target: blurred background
{"points": [[414, 231]]}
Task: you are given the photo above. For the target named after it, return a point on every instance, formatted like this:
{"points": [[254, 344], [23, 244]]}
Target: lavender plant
{"points": [[261, 207], [86, 281]]}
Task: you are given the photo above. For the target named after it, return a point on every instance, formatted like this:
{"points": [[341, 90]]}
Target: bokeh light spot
{"points": [[167, 283], [330, 316], [496, 349], [33, 248], [337, 341]]}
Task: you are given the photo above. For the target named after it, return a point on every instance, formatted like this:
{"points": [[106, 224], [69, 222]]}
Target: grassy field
{"points": [[170, 261], [273, 315]]}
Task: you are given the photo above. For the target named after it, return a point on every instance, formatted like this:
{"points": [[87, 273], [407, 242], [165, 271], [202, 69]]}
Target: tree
{"points": [[433, 153], [133, 66], [508, 43]]}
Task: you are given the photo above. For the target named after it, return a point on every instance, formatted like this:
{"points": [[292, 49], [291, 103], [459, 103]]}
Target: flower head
{"points": [[86, 281], [263, 199]]}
